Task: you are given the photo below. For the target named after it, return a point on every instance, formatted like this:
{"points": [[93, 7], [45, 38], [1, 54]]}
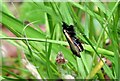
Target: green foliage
{"points": [[94, 23]]}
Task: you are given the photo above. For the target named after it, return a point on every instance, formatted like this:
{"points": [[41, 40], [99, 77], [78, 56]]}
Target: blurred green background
{"points": [[32, 36]]}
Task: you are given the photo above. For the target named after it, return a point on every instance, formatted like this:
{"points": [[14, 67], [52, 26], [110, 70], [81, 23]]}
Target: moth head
{"points": [[69, 29], [64, 25]]}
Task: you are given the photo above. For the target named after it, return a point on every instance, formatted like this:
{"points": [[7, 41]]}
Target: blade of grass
{"points": [[87, 47], [102, 7], [11, 73], [88, 11], [95, 70], [79, 25], [18, 28]]}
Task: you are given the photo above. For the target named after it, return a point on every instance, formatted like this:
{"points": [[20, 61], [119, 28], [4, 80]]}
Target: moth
{"points": [[74, 43]]}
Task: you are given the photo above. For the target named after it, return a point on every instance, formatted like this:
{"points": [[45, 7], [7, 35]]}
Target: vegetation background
{"points": [[31, 38]]}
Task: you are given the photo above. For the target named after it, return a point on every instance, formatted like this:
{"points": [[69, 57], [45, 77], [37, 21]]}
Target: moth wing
{"points": [[73, 47]]}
